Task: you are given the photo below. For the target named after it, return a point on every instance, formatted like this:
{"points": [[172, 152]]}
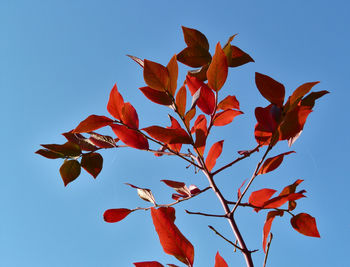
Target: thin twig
{"points": [[205, 214], [229, 241], [268, 248]]}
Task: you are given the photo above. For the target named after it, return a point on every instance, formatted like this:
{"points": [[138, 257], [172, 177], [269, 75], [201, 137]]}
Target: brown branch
{"points": [[227, 240], [205, 214]]}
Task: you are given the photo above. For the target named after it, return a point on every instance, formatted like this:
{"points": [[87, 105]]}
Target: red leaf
{"points": [[168, 136], [206, 100], [92, 123], [298, 94], [171, 239], [173, 71], [272, 90], [80, 140], [92, 163], [309, 100], [200, 123], [68, 149], [195, 38], [218, 69], [148, 264], [225, 117], [229, 102], [219, 261], [155, 96], [155, 75], [70, 170], [194, 56], [259, 197], [115, 215], [49, 154], [174, 125], [305, 224], [238, 57], [239, 189], [173, 184], [102, 141], [266, 123], [130, 137], [181, 100], [129, 116], [267, 226], [278, 201], [271, 164], [115, 103], [214, 153]]}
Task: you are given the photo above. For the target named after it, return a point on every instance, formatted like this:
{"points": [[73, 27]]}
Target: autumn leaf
{"points": [[115, 103], [171, 239], [195, 38], [130, 137], [168, 136], [68, 149], [238, 57], [49, 154], [148, 264], [218, 69], [219, 261], [115, 215], [155, 75], [305, 224], [80, 140], [272, 90], [158, 97], [102, 141], [214, 153], [92, 123], [225, 117], [70, 170], [259, 197], [273, 163], [267, 226], [92, 163], [181, 100], [229, 102], [173, 71]]}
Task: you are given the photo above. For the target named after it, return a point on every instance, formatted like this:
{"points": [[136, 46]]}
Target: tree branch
{"points": [[205, 214]]}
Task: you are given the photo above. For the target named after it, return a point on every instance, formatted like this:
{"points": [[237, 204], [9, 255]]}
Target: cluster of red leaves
{"points": [[278, 121]]}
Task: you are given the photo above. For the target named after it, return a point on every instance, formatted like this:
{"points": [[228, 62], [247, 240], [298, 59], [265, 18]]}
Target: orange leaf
{"points": [[195, 38], [92, 123], [173, 71], [129, 116], [259, 197], [181, 100], [272, 90], [278, 201], [218, 69], [230, 102], [171, 239], [206, 100], [267, 226], [214, 153], [226, 117], [115, 215], [189, 116], [137, 60], [115, 103], [219, 261], [271, 164], [155, 96], [200, 123], [174, 125], [305, 224], [148, 264], [298, 94], [155, 75], [130, 137], [168, 136]]}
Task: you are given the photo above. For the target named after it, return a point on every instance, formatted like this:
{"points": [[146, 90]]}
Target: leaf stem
{"points": [[268, 248]]}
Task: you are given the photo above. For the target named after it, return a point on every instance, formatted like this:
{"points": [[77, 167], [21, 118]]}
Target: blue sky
{"points": [[58, 62]]}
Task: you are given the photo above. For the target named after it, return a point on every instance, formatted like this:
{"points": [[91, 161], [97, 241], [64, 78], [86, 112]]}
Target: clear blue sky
{"points": [[58, 62]]}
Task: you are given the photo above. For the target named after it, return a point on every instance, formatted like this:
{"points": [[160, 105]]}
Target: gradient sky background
{"points": [[58, 62]]}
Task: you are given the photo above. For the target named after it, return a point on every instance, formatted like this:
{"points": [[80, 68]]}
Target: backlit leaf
{"points": [[273, 163], [278, 201], [92, 163], [238, 57], [129, 116], [171, 239], [194, 57], [155, 75], [92, 123], [168, 136], [130, 137], [158, 97], [267, 226], [272, 90], [80, 140], [259, 197], [173, 71], [115, 215], [181, 100], [148, 264], [219, 261], [298, 94], [214, 153], [69, 171], [115, 103], [218, 69], [309, 100], [189, 116], [225, 117], [229, 102], [195, 38], [137, 60], [206, 100], [305, 224], [200, 74], [174, 125], [102, 141]]}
